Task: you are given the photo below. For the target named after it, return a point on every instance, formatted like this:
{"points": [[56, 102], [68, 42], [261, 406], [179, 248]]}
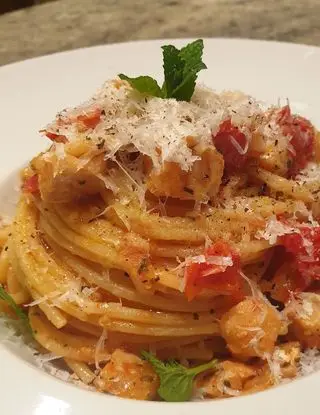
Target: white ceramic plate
{"points": [[33, 91]]}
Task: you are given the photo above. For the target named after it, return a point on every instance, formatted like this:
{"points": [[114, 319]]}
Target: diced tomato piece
{"points": [[90, 120], [31, 184], [302, 135], [304, 248], [221, 278], [227, 140], [83, 122], [57, 138]]}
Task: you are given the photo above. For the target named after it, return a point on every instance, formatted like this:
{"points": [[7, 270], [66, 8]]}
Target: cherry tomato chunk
{"points": [[304, 248], [57, 138], [220, 278], [302, 135], [85, 121], [90, 120], [31, 184], [232, 144]]}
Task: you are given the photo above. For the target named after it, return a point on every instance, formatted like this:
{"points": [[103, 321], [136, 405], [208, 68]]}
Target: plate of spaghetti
{"points": [[160, 241]]}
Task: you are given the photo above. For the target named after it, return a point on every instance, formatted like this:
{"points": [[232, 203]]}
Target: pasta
{"points": [[186, 229]]}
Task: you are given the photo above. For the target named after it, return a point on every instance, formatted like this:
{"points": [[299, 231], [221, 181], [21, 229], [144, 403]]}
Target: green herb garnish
{"points": [[22, 316], [181, 69], [144, 84], [176, 381]]}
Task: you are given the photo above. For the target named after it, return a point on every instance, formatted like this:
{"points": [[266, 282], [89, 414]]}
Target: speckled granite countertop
{"points": [[68, 24]]}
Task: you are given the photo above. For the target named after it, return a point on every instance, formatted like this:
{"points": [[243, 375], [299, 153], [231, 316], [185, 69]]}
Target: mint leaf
{"points": [[144, 84], [15, 308], [192, 55], [181, 69], [192, 58], [176, 381], [173, 67]]}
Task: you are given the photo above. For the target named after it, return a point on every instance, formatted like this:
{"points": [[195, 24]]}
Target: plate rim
{"points": [[74, 400]]}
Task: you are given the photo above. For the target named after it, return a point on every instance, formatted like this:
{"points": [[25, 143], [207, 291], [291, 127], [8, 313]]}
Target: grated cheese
{"points": [[310, 174], [100, 346], [309, 362], [226, 390], [43, 299], [224, 261], [237, 146], [308, 299], [274, 362], [308, 245], [273, 229], [139, 188], [302, 305], [255, 341], [271, 132], [59, 151], [199, 259], [221, 261], [87, 292], [255, 292], [158, 127], [72, 294]]}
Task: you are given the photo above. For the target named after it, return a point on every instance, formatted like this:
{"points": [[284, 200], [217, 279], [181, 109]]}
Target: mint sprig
{"points": [[22, 316], [181, 68], [176, 381], [144, 84]]}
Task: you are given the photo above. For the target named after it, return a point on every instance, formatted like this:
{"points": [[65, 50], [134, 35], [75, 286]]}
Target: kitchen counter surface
{"points": [[69, 24]]}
